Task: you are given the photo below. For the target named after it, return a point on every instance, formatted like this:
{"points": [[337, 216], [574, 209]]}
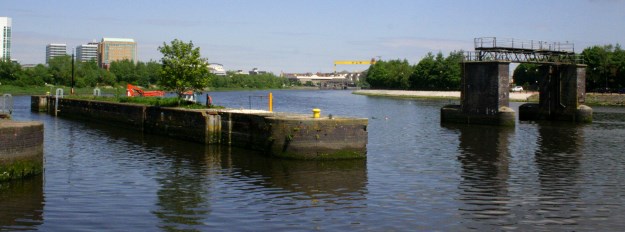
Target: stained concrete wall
{"points": [[21, 149], [484, 87], [128, 115], [38, 103], [562, 92], [191, 125], [282, 135], [318, 138]]}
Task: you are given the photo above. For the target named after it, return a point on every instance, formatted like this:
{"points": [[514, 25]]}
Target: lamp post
{"points": [[72, 90]]}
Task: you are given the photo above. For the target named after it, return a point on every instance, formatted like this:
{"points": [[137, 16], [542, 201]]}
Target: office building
{"points": [[5, 38], [113, 49], [87, 52], [55, 50]]}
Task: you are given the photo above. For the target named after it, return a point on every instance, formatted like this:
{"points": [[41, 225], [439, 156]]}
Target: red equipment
{"points": [[132, 91]]}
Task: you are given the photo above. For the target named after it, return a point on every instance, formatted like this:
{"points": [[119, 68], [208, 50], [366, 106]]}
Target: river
{"points": [[419, 175]]}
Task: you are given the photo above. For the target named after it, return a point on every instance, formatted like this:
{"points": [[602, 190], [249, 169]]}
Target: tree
{"points": [[124, 70], [393, 74], [606, 66], [9, 70], [527, 74], [437, 72], [182, 68], [60, 68]]}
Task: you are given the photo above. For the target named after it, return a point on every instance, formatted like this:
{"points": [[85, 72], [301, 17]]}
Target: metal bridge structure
{"points": [[523, 51]]}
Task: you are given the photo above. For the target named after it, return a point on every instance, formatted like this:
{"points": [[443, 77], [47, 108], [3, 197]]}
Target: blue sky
{"points": [[307, 36]]}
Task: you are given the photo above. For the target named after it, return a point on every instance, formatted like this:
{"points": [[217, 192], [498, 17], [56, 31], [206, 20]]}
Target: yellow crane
{"points": [[350, 62]]}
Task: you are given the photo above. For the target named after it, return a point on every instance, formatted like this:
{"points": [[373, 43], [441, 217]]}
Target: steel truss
{"points": [[522, 51]]}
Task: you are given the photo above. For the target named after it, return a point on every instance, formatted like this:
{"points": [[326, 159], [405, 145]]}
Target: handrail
{"points": [[482, 43]]}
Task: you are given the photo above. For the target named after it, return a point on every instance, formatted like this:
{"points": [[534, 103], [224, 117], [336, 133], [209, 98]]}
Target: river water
{"points": [[419, 175]]}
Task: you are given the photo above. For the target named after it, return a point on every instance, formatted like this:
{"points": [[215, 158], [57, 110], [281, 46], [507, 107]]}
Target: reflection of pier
{"points": [[22, 203], [485, 83], [485, 160]]}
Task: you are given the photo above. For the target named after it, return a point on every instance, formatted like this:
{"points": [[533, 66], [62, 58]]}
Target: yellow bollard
{"points": [[316, 112], [270, 102]]}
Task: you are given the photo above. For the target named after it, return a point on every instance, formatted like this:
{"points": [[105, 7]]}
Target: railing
{"points": [[485, 43], [523, 57]]}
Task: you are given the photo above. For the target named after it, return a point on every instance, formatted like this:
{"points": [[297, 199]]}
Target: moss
{"points": [[20, 169]]}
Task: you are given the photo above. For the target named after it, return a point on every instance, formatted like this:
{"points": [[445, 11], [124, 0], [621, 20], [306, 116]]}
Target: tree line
{"points": [[89, 74], [605, 71], [58, 72], [433, 72]]}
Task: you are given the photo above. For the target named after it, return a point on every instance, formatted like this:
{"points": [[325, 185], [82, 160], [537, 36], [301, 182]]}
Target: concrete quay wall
{"points": [[276, 134], [21, 149]]}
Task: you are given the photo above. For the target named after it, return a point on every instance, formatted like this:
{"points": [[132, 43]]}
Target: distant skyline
{"points": [[307, 36]]}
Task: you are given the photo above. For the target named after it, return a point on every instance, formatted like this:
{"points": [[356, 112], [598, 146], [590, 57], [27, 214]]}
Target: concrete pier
{"points": [[484, 97], [561, 97], [21, 149], [276, 134], [485, 83]]}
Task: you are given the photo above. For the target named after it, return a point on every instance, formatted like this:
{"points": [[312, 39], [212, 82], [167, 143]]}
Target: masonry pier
{"points": [[277, 134], [21, 149], [485, 83], [484, 96], [562, 94]]}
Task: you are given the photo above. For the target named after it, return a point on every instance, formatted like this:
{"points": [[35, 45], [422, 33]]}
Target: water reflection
{"points": [[558, 162], [192, 178], [484, 158], [21, 204], [308, 177], [184, 194]]}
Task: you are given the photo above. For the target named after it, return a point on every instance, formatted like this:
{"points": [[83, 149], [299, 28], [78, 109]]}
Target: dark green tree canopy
{"points": [[606, 67], [182, 68], [526, 74], [431, 73]]}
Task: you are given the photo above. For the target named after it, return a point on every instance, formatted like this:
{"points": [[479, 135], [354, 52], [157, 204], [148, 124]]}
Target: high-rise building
{"points": [[54, 50], [5, 38], [112, 49], [87, 52]]}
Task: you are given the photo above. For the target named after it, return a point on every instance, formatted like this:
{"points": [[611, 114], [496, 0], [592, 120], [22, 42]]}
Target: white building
{"points": [[217, 69], [54, 50], [87, 52], [5, 38]]}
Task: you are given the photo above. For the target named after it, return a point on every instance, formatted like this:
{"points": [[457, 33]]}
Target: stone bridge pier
{"points": [[562, 95], [484, 95], [485, 85], [485, 89]]}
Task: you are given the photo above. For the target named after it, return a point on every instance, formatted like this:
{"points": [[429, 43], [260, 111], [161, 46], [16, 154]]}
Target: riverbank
{"points": [[592, 99], [514, 96]]}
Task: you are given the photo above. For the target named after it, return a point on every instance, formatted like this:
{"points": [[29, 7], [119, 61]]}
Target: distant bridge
{"points": [[523, 51]]}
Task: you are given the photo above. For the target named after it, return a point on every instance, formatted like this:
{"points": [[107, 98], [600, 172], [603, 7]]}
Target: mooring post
{"points": [[270, 102]]}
